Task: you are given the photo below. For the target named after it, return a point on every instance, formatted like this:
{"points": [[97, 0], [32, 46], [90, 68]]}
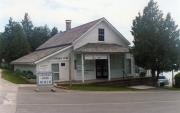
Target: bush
{"points": [[26, 74], [142, 74], [177, 80]]}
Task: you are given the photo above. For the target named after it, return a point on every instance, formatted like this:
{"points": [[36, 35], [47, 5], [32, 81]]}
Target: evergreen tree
{"points": [[1, 48], [27, 26], [16, 44], [39, 36], [54, 31], [156, 40]]}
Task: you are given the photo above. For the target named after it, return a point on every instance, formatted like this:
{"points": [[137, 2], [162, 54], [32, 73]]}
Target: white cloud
{"points": [[53, 12]]}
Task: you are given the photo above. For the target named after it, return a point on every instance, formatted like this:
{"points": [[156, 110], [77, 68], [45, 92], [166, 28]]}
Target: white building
{"points": [[90, 51]]}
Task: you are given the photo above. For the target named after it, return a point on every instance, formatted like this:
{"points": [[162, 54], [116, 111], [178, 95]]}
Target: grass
{"points": [[173, 88], [93, 87], [13, 77]]}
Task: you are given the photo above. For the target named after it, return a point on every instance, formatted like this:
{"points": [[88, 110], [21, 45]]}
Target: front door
{"points": [[55, 71], [101, 68]]}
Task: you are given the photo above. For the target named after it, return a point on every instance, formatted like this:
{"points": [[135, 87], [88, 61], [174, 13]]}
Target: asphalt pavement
{"points": [[97, 102], [23, 99]]}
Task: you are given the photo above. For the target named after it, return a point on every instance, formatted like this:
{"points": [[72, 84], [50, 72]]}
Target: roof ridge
{"points": [[69, 36], [86, 23]]}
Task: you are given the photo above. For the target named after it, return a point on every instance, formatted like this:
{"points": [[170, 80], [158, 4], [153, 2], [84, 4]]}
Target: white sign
{"points": [[95, 56], [44, 78]]}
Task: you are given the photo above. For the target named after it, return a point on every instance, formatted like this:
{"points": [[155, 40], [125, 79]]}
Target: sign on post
{"points": [[44, 79]]}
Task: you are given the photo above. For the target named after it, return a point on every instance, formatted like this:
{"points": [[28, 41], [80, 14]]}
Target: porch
{"points": [[102, 62]]}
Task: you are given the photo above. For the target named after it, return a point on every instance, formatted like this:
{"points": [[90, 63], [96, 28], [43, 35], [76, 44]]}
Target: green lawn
{"points": [[93, 87], [13, 77], [173, 88]]}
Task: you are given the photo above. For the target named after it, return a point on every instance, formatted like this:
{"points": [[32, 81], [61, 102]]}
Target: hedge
{"points": [[177, 80]]}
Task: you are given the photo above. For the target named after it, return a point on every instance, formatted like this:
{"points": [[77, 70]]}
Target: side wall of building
{"points": [[22, 67], [62, 59]]}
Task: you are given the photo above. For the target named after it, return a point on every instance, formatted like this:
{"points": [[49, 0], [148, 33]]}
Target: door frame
{"points": [[102, 70], [56, 72]]}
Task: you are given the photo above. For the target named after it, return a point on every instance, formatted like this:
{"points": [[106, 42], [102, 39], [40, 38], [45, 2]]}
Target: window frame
{"points": [[101, 34], [55, 72]]}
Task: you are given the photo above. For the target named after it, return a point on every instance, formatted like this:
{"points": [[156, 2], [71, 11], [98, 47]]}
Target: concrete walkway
{"points": [[8, 94]]}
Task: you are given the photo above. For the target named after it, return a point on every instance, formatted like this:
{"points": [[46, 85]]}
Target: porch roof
{"points": [[37, 55], [102, 48]]}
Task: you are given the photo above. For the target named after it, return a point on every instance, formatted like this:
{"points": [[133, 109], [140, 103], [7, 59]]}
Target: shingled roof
{"points": [[56, 43], [36, 55], [67, 37]]}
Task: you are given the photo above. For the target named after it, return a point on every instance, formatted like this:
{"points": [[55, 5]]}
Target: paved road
{"points": [[98, 102], [8, 92]]}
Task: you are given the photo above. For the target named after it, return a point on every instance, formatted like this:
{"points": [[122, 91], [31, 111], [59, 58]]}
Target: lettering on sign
{"points": [[61, 58], [44, 78], [95, 56]]}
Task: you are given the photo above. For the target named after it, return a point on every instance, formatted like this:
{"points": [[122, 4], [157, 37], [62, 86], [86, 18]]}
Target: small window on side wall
{"points": [[101, 34], [62, 64]]}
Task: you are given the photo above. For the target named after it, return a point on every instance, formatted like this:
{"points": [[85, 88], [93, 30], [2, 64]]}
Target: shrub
{"points": [[26, 74], [177, 80], [29, 75], [142, 74]]}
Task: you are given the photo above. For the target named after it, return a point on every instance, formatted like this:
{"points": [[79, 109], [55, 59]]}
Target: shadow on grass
{"points": [[13, 77], [94, 87]]}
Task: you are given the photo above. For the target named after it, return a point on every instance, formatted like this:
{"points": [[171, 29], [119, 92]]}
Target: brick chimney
{"points": [[68, 25]]}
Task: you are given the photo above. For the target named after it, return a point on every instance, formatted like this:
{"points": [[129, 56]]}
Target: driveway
{"points": [[97, 102], [8, 92]]}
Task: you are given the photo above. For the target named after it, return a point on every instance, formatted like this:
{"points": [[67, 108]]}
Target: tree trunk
{"points": [[157, 77], [153, 77]]}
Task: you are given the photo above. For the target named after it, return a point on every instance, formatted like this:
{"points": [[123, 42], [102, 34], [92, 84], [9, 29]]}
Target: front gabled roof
{"points": [[74, 34], [67, 37], [62, 40]]}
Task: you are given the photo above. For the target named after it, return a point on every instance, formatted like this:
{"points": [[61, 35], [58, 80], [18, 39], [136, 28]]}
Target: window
{"points": [[128, 66], [62, 64], [55, 71], [101, 34]]}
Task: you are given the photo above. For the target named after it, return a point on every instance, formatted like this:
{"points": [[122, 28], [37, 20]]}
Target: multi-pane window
{"points": [[101, 34], [128, 66], [55, 71]]}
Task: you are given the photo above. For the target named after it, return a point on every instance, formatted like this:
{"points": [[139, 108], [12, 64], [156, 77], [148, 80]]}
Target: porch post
{"points": [[109, 68], [82, 67]]}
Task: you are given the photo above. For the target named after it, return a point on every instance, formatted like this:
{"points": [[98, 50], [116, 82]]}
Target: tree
{"points": [[15, 42], [27, 26], [39, 36], [54, 31], [156, 40], [1, 48]]}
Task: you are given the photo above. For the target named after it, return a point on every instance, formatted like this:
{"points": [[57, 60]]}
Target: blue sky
{"points": [[54, 12]]}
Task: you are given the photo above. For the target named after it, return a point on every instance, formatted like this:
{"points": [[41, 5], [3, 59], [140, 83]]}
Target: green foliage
{"points": [[26, 74], [21, 38], [54, 31], [142, 74], [177, 80], [156, 39], [15, 42], [39, 36], [27, 26]]}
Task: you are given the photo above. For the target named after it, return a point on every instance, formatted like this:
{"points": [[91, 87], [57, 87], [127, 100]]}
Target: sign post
{"points": [[44, 79]]}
